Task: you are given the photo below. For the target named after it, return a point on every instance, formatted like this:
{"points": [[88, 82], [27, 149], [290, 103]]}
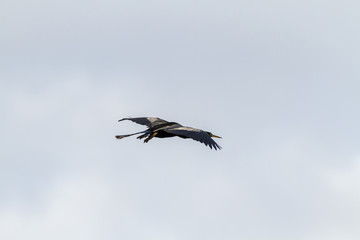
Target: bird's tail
{"points": [[128, 135]]}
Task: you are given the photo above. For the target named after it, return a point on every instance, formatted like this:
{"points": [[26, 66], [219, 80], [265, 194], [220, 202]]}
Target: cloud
{"points": [[72, 210], [347, 182], [338, 215]]}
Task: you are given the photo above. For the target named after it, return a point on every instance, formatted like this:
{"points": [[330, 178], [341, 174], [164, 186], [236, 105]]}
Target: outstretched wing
{"points": [[196, 134], [147, 121]]}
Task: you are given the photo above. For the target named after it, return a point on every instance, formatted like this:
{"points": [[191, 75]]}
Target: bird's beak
{"points": [[212, 135]]}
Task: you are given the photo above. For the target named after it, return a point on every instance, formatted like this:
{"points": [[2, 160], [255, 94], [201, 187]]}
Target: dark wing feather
{"points": [[148, 121], [196, 134]]}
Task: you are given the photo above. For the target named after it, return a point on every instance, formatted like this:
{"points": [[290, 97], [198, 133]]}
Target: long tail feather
{"points": [[128, 135]]}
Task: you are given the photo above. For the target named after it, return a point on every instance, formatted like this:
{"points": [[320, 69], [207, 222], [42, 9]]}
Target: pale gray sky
{"points": [[278, 80]]}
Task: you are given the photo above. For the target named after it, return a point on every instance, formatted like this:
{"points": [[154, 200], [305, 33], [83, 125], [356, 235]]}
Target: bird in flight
{"points": [[160, 128]]}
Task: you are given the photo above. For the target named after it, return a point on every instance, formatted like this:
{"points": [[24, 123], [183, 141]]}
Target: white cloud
{"points": [[339, 216], [73, 210], [347, 181]]}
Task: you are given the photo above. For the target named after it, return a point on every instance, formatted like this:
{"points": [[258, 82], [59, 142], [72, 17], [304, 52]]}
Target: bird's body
{"points": [[163, 129]]}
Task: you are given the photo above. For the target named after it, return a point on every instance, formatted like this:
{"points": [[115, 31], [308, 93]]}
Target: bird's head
{"points": [[212, 135]]}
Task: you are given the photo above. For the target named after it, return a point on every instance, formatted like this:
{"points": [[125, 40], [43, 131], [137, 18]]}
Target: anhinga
{"points": [[163, 129]]}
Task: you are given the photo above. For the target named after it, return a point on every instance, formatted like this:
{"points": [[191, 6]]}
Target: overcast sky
{"points": [[278, 80]]}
